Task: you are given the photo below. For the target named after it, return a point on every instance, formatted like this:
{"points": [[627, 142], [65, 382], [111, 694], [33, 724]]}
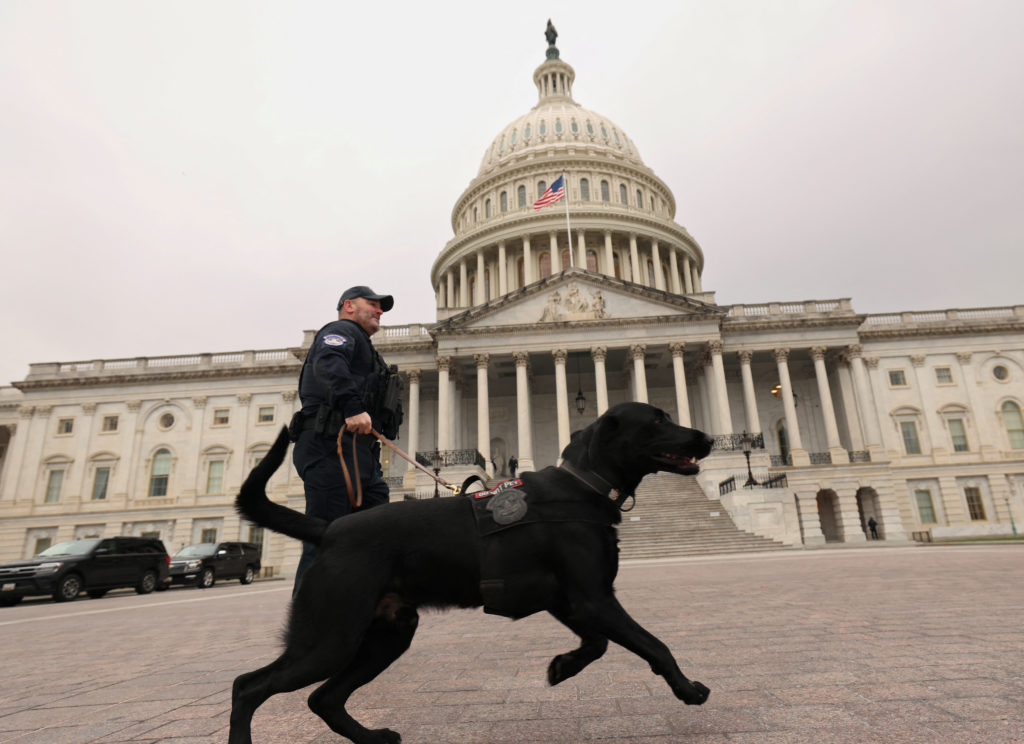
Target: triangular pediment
{"points": [[576, 296]]}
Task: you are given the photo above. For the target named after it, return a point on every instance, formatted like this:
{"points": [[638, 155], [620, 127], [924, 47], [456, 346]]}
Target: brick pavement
{"points": [[915, 644]]}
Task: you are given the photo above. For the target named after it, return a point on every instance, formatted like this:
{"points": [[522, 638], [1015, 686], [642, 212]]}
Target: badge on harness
{"points": [[507, 506]]}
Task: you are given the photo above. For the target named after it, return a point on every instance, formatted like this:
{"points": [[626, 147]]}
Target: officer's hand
{"points": [[361, 423]]}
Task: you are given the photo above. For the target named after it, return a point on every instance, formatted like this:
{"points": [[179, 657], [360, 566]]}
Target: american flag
{"points": [[555, 192]]}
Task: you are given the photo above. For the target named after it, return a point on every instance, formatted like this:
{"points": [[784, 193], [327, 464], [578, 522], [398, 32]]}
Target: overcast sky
{"points": [[208, 176]]}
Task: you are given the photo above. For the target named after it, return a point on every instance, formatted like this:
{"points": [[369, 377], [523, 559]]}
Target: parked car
{"points": [[93, 565], [202, 564]]}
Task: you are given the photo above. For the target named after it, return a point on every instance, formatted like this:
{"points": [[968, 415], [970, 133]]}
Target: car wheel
{"points": [[9, 601], [96, 593], [205, 578], [248, 576], [147, 583], [67, 588]]}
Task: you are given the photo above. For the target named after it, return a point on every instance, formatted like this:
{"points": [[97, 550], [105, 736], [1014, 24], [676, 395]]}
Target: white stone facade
{"points": [[912, 418]]}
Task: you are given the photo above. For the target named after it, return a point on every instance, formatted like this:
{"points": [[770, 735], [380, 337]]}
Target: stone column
{"points": [[849, 516], [750, 416], [724, 422], [687, 275], [483, 410], [414, 376], [828, 412], [463, 284], [988, 430], [810, 524], [866, 409], [128, 479], [895, 443], [502, 270], [844, 371], [14, 462], [82, 451], [673, 268], [561, 398], [659, 274], [796, 445], [599, 353], [634, 261], [931, 416], [523, 424], [528, 277], [581, 248], [481, 289], [455, 433], [556, 260], [444, 436], [197, 484], [697, 287], [450, 278], [679, 376], [636, 353], [609, 254]]}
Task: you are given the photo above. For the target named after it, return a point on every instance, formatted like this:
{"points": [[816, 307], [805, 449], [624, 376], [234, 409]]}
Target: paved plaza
{"points": [[909, 644]]}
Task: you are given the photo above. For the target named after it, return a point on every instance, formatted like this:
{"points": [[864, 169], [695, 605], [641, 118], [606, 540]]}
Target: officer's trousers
{"points": [[316, 460]]}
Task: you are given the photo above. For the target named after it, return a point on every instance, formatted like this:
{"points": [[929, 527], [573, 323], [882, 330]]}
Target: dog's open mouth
{"points": [[681, 464]]}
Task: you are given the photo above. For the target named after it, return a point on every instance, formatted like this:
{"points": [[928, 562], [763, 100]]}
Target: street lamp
{"points": [[581, 401], [745, 443], [436, 460]]}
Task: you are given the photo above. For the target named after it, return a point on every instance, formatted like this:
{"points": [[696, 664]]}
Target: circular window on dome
{"points": [[558, 126], [526, 134], [167, 421], [1001, 373], [543, 128]]}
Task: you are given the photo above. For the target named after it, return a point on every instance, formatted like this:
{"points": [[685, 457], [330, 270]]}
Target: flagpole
{"points": [[568, 229]]}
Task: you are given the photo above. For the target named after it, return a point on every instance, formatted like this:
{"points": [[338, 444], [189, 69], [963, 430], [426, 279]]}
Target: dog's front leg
{"points": [[610, 619]]}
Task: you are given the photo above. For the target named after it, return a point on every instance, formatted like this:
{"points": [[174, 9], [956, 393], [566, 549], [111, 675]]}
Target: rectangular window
{"points": [[256, 536], [208, 535], [925, 508], [221, 416], [944, 375], [99, 483], [65, 426], [215, 477], [974, 503], [266, 414], [910, 441], [42, 543], [897, 378], [53, 484], [110, 423], [958, 434]]}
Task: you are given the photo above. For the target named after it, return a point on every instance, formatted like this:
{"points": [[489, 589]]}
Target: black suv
{"points": [[95, 565], [204, 563]]}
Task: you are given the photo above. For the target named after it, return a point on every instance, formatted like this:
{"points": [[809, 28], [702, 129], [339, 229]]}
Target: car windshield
{"points": [[74, 547], [196, 551]]}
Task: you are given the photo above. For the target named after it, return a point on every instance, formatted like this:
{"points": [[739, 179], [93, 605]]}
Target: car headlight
{"points": [[193, 564], [48, 568]]}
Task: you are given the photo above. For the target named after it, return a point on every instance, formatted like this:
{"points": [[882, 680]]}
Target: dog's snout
{"points": [[709, 442]]}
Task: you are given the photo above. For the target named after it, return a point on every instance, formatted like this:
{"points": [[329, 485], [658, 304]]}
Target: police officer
{"points": [[344, 386]]}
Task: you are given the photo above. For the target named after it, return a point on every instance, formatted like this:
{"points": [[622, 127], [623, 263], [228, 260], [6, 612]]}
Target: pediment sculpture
{"points": [[576, 306]]}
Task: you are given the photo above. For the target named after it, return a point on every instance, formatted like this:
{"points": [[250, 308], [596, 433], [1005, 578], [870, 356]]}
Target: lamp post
{"points": [[745, 443], [436, 460], [581, 400]]}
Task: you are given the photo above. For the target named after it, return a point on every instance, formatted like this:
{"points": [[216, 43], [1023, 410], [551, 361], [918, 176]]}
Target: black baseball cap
{"points": [[386, 301]]}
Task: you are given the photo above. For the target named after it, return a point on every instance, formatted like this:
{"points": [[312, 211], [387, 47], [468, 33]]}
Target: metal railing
{"points": [[763, 480], [859, 456], [821, 458], [448, 458], [734, 442]]}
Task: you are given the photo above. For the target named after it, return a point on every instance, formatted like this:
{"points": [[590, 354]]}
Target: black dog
{"points": [[547, 542]]}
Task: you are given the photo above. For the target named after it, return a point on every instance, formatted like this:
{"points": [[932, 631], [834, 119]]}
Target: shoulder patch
{"points": [[333, 339]]}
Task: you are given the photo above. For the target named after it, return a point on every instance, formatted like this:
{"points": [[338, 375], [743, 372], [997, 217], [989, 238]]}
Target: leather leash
{"points": [[355, 498]]}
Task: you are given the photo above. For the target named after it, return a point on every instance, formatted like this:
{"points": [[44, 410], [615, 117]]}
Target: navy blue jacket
{"points": [[340, 359]]}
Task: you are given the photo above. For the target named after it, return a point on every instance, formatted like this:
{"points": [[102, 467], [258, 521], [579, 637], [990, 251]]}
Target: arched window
{"points": [[605, 192], [623, 194], [504, 201], [541, 188], [1014, 423], [159, 473], [584, 190], [566, 260], [487, 208], [521, 196], [618, 266], [591, 261], [545, 264], [639, 198]]}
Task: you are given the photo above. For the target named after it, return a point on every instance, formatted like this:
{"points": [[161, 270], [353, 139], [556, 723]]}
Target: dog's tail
{"points": [[253, 504]]}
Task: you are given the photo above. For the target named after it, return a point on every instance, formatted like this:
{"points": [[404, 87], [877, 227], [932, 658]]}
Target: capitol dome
{"points": [[621, 215]]}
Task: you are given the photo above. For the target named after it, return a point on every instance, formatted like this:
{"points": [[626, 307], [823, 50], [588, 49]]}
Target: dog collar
{"points": [[592, 479]]}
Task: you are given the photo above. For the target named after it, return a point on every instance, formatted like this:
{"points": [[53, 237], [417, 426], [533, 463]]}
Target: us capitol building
{"points": [[913, 418]]}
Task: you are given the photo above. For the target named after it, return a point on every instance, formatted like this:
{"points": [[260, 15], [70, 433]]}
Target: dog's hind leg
{"points": [[386, 639], [592, 647]]}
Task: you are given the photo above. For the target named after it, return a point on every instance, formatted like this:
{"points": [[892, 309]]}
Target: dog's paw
{"points": [[697, 695], [562, 667], [385, 736]]}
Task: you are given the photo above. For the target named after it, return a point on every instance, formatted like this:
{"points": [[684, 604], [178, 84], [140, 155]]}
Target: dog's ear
{"points": [[599, 433], [577, 446]]}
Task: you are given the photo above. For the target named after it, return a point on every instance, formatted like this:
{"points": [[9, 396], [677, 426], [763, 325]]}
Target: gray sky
{"points": [[208, 176]]}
